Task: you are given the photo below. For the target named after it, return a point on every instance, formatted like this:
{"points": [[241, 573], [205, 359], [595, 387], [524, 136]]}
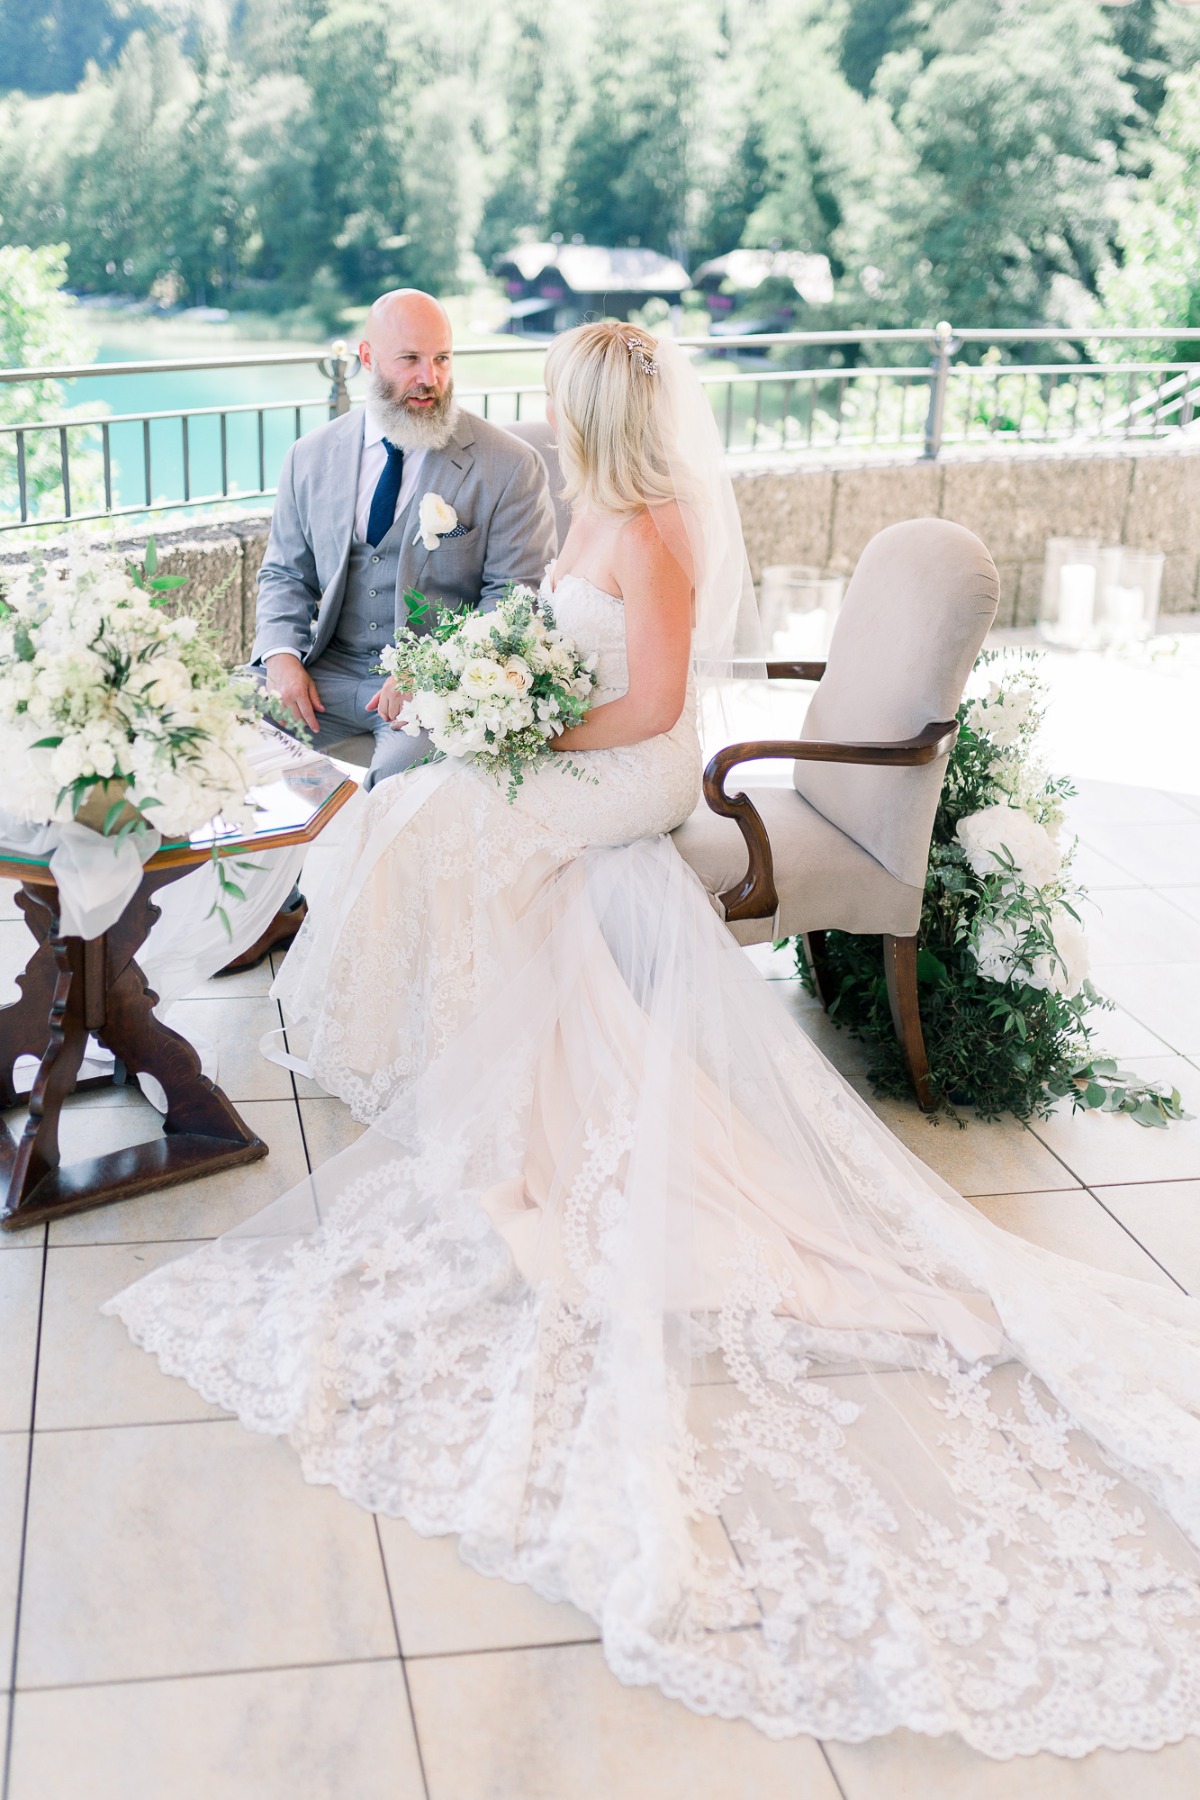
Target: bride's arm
{"points": [[657, 594]]}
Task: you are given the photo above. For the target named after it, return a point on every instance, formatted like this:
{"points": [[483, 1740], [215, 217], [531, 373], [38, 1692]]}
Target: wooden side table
{"points": [[73, 987]]}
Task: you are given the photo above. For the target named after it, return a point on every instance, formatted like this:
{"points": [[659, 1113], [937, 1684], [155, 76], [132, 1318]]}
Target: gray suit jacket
{"points": [[496, 484]]}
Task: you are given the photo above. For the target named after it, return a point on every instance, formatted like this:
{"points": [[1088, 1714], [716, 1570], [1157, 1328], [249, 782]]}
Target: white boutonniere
{"points": [[437, 518]]}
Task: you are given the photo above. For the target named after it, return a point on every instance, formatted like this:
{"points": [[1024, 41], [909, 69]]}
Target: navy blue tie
{"points": [[387, 492]]}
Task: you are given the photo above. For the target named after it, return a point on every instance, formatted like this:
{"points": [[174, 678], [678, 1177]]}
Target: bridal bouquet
{"points": [[493, 687], [1002, 964], [111, 710]]}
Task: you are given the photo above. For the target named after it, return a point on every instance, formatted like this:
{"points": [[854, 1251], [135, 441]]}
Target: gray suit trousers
{"points": [[345, 683]]}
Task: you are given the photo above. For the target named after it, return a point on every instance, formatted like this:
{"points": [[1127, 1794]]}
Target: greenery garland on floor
{"points": [[1002, 959]]}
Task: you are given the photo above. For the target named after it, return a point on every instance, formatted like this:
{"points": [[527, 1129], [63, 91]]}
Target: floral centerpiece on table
{"points": [[491, 687], [114, 714], [1002, 963]]}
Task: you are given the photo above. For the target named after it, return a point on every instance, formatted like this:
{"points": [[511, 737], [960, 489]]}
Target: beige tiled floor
{"points": [[185, 1619]]}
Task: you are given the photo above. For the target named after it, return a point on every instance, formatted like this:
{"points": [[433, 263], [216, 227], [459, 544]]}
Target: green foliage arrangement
{"points": [[1002, 963]]}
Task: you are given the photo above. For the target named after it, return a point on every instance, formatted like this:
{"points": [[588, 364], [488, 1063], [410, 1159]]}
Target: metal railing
{"points": [[74, 466]]}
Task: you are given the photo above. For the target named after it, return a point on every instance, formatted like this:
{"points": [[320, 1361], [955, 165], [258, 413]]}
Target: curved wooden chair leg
{"points": [[900, 967], [818, 962]]}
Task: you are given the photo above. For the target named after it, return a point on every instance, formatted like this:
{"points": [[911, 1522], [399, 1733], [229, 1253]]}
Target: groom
{"points": [[346, 533]]}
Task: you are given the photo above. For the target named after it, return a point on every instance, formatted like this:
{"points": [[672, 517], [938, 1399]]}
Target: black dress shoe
{"points": [[281, 930]]}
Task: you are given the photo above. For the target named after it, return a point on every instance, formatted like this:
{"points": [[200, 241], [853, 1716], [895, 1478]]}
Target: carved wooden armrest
{"points": [[778, 670], [755, 896]]}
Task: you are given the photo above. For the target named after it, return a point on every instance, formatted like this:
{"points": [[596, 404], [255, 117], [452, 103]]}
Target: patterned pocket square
{"points": [[460, 530]]}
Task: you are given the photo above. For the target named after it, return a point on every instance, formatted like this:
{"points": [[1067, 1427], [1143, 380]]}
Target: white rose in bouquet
{"points": [[517, 674], [986, 834], [481, 678], [476, 628]]}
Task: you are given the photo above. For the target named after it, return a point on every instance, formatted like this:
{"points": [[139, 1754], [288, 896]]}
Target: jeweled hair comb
{"points": [[637, 351]]}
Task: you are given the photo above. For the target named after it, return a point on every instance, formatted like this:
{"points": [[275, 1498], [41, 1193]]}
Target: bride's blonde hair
{"points": [[607, 389]]}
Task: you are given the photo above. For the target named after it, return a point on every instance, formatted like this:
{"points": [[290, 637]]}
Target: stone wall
{"points": [[1145, 496]]}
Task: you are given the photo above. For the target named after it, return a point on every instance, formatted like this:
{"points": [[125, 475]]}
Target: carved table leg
{"points": [[99, 988], [36, 1155], [23, 1024]]}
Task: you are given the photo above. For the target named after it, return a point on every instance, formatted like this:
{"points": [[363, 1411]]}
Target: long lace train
{"points": [[630, 1290]]}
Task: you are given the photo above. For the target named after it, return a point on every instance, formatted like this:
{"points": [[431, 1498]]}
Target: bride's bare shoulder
{"points": [[655, 538]]}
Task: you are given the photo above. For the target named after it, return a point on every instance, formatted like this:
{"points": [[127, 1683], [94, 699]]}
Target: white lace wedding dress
{"points": [[630, 1290]]}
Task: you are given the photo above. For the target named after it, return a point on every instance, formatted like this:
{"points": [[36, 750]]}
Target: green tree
{"points": [[275, 154], [825, 149], [356, 203], [48, 44], [1158, 281], [268, 37], [1010, 113], [871, 30], [631, 164], [40, 326], [202, 213], [525, 121]]}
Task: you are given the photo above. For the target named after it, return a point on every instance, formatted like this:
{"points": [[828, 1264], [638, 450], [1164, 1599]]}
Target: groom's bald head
{"points": [[405, 311], [407, 348]]}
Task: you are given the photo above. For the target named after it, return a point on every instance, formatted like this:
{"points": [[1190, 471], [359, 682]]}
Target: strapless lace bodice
{"points": [[596, 620]]}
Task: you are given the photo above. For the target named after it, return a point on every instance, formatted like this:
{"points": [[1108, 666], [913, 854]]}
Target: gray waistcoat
{"points": [[368, 615]]}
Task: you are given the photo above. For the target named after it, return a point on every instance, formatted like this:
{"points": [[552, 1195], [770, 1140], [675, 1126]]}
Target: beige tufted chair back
{"points": [[538, 433], [915, 614]]}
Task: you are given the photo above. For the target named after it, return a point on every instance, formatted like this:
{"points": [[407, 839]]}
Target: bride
{"points": [[629, 1290]]}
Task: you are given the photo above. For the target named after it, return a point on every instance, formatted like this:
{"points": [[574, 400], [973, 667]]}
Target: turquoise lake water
{"points": [[296, 396]]}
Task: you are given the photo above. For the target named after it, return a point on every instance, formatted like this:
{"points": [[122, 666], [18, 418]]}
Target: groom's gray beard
{"points": [[408, 430]]}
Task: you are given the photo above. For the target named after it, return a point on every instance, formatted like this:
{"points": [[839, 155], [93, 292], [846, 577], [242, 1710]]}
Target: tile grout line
{"points": [[1051, 1151], [833, 1774], [126, 1681], [592, 1643], [295, 1090], [1144, 1248], [412, 1711], [16, 1630]]}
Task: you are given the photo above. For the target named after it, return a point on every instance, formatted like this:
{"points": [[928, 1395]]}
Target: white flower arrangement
{"points": [[1003, 837], [495, 687], [103, 694], [1002, 960], [1026, 927]]}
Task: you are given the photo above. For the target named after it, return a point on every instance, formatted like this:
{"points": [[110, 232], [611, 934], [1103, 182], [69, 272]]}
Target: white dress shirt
{"points": [[370, 468]]}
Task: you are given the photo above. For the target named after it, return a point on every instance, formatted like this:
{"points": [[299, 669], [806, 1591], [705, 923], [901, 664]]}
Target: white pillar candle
{"points": [[1076, 600], [1124, 608]]}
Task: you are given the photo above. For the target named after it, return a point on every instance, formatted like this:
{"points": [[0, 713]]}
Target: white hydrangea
{"points": [[985, 834], [998, 945], [1001, 713]]}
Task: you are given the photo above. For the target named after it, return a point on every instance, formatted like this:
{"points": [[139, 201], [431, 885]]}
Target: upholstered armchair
{"points": [[846, 846], [538, 433]]}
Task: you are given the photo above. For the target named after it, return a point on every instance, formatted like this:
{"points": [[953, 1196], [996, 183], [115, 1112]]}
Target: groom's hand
{"points": [[388, 701], [290, 680]]}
